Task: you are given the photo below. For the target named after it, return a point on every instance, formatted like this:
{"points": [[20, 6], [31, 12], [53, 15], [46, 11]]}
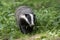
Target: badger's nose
{"points": [[32, 24]]}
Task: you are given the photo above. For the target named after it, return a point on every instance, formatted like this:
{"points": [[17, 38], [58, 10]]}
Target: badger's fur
{"points": [[25, 19]]}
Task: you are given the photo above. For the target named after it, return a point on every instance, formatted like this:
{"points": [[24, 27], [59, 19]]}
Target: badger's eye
{"points": [[26, 15]]}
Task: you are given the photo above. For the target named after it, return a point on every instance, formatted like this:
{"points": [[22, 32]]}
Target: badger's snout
{"points": [[31, 25]]}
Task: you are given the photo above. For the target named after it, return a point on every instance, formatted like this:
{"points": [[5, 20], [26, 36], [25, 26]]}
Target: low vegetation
{"points": [[47, 20]]}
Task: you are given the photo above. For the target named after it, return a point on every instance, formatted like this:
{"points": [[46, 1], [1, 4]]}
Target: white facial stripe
{"points": [[23, 16], [31, 19]]}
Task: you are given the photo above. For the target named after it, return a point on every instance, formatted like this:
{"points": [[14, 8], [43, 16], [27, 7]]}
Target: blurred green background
{"points": [[47, 18]]}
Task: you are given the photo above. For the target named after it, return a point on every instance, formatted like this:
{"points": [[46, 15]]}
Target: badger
{"points": [[25, 19]]}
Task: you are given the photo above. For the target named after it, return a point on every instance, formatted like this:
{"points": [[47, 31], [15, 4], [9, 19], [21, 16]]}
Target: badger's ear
{"points": [[34, 18], [34, 15]]}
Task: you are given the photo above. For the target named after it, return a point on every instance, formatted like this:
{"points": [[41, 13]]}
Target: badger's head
{"points": [[29, 18]]}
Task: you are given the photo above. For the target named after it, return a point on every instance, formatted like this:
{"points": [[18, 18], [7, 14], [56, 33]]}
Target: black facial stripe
{"points": [[28, 17]]}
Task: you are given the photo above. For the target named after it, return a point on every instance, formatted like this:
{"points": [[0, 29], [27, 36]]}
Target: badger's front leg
{"points": [[29, 29], [23, 29]]}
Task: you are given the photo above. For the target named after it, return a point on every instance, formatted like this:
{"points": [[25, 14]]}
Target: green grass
{"points": [[47, 18]]}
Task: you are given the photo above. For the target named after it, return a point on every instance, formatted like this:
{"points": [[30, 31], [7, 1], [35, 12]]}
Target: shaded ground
{"points": [[40, 37], [33, 37]]}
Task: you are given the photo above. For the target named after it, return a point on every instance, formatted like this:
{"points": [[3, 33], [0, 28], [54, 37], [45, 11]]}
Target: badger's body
{"points": [[25, 19]]}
